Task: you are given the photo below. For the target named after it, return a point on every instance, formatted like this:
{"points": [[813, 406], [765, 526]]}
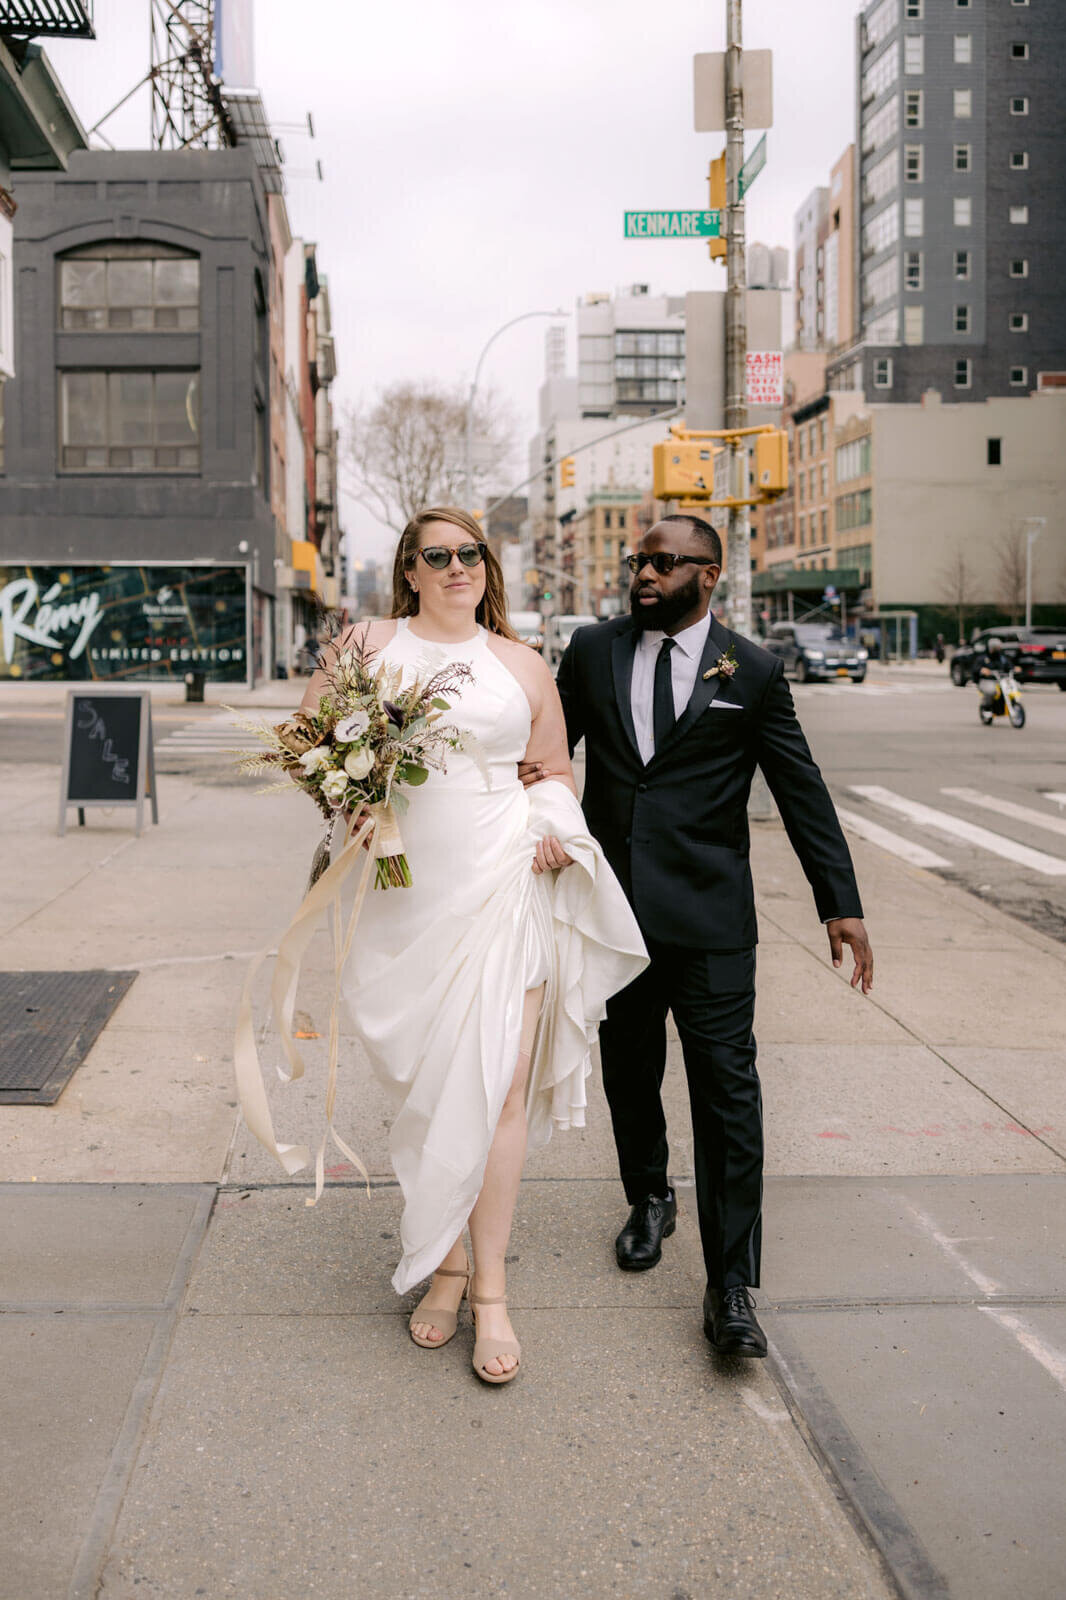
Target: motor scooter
{"points": [[1001, 696]]}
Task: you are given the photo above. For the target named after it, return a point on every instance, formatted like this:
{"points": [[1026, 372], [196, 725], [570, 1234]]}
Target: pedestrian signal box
{"points": [[771, 463], [566, 472], [681, 470], [716, 248]]}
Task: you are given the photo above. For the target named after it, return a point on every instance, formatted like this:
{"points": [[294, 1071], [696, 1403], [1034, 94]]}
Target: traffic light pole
{"points": [[738, 556]]}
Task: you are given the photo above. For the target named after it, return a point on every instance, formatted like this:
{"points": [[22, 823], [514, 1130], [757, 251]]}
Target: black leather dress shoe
{"points": [[729, 1322], [640, 1243]]}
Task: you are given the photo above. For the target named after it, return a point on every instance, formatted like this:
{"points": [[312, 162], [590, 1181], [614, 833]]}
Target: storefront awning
{"points": [[306, 559]]}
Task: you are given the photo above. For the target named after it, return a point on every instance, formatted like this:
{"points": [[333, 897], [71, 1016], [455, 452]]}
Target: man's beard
{"points": [[669, 609]]}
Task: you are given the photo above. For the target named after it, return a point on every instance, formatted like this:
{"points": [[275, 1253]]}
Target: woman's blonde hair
{"points": [[491, 612]]}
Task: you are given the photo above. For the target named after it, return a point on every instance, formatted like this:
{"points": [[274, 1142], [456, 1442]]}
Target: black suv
{"points": [[1039, 654], [813, 651]]}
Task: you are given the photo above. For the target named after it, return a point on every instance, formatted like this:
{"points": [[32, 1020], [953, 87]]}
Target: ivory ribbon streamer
{"points": [[389, 842], [251, 1090]]}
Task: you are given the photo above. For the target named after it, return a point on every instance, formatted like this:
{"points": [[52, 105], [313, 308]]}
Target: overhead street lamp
{"points": [[1034, 527], [469, 443]]}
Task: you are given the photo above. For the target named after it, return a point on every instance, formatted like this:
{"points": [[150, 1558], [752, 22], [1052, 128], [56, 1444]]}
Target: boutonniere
{"points": [[724, 667]]}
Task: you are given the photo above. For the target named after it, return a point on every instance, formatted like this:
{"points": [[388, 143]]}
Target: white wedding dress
{"points": [[437, 977]]}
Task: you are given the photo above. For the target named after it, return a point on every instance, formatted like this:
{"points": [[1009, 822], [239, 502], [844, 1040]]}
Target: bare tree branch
{"points": [[406, 451], [956, 586], [1010, 573]]}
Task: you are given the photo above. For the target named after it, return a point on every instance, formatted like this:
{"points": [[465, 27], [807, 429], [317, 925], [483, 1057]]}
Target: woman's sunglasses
{"points": [[439, 556], [663, 562]]}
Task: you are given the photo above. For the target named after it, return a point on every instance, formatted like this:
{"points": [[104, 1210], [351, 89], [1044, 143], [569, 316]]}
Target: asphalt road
{"points": [[906, 758]]}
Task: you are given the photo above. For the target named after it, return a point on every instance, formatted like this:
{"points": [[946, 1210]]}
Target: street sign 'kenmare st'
{"points": [[673, 224]]}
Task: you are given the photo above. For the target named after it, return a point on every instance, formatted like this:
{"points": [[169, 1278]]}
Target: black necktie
{"points": [[662, 699]]}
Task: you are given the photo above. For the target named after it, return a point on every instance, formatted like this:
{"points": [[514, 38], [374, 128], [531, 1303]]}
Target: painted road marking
{"points": [[950, 1247], [1008, 808], [1051, 1359], [956, 828], [916, 854]]}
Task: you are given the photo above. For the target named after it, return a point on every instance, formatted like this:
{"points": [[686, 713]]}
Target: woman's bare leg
{"points": [[490, 1220]]}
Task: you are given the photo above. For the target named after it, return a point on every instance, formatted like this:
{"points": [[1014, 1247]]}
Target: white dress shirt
{"points": [[685, 660]]}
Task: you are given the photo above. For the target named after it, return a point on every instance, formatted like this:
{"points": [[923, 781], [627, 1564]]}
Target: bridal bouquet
{"points": [[368, 741]]}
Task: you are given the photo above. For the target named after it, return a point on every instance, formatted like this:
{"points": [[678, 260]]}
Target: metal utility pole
{"points": [[738, 558], [1034, 527]]}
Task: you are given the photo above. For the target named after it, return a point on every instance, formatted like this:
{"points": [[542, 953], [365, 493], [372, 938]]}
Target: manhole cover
{"points": [[49, 1021]]}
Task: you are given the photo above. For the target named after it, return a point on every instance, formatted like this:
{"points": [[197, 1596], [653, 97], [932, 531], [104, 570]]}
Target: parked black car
{"points": [[814, 651], [1039, 654]]}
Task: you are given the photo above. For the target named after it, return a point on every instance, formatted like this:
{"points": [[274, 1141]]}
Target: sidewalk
{"points": [[211, 1389]]}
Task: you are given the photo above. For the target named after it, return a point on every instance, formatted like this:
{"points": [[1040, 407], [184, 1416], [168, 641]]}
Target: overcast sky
{"points": [[478, 158]]}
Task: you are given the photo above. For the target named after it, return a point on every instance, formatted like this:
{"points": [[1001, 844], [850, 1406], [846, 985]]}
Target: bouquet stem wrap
{"points": [[393, 871], [324, 895]]}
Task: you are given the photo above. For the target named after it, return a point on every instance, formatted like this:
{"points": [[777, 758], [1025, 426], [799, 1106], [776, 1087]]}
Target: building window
{"points": [[995, 452], [881, 126], [1019, 268], [1019, 105], [913, 218], [883, 372], [912, 10], [962, 264], [881, 75], [854, 510], [962, 319], [913, 325], [912, 108], [962, 103], [962, 210], [1019, 322], [912, 269], [621, 524], [607, 519], [1019, 377], [822, 433], [882, 230], [880, 22], [962, 157], [881, 178], [825, 527], [853, 458], [129, 286], [803, 532], [962, 5], [1019, 215], [1019, 160], [963, 370], [1019, 51], [799, 443], [803, 487], [825, 481], [963, 55], [129, 421], [913, 55], [912, 163]]}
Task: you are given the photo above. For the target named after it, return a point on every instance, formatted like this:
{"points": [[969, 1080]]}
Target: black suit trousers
{"points": [[711, 994]]}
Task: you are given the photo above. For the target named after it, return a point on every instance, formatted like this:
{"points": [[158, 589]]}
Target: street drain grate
{"points": [[49, 1021]]}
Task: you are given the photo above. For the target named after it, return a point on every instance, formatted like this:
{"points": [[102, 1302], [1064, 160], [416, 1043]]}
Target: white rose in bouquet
{"points": [[334, 787], [314, 760], [352, 729], [357, 763]]}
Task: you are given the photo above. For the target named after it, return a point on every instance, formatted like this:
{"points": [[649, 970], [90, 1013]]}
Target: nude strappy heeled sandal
{"points": [[490, 1349], [442, 1317]]}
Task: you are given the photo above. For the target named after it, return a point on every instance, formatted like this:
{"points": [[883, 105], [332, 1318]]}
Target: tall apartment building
{"points": [[962, 154], [630, 353], [824, 242]]}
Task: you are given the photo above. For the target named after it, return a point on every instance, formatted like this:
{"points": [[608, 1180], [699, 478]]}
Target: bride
{"points": [[476, 991]]}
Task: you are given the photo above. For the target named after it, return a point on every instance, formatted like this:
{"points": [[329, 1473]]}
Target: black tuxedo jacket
{"points": [[676, 831]]}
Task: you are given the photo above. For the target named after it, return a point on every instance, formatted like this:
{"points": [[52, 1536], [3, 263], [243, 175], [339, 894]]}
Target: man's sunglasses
{"points": [[439, 556], [663, 562]]}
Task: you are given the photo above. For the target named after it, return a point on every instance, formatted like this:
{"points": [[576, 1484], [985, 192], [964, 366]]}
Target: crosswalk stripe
{"points": [[1008, 808], [956, 827], [916, 854]]}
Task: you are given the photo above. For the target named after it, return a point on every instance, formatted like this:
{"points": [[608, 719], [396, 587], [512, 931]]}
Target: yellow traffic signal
{"points": [[716, 180], [771, 463], [682, 470], [566, 472]]}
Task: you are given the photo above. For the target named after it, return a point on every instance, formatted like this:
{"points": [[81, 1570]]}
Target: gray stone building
{"points": [[961, 230], [135, 480]]}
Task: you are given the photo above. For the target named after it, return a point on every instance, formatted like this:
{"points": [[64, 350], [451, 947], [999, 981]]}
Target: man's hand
{"points": [[551, 856], [852, 930], [531, 772]]}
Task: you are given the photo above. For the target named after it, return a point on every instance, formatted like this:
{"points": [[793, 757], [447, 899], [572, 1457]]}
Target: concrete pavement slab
{"points": [[1031, 1082], [960, 1423], [289, 1455], [85, 1245], [890, 1108], [914, 1239], [800, 995], [66, 1381]]}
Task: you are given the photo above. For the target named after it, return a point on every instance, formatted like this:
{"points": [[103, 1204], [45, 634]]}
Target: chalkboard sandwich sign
{"points": [[108, 758]]}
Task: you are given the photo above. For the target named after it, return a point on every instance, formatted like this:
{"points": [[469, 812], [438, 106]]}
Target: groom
{"points": [[676, 713]]}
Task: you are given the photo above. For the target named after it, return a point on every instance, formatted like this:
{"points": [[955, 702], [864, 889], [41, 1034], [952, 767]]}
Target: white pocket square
{"points": [[724, 705]]}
